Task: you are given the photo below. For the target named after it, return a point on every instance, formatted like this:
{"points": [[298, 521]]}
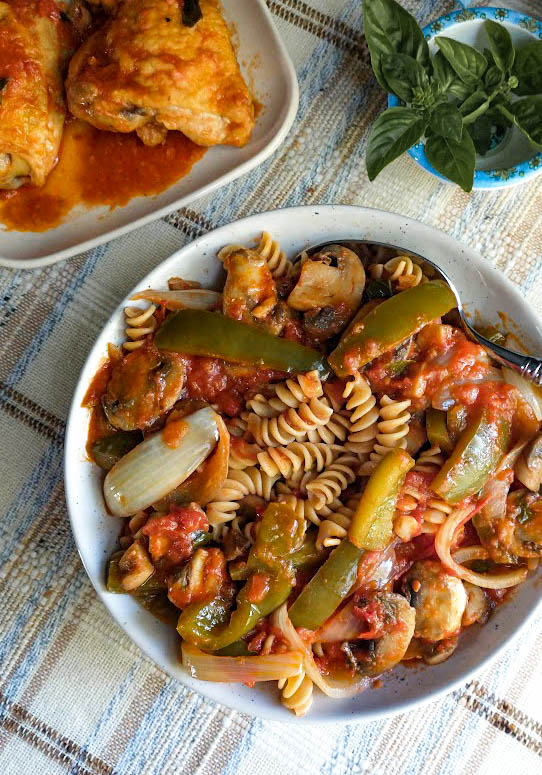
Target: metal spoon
{"points": [[528, 366]]}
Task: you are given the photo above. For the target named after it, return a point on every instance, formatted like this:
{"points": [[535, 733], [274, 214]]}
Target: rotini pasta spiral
{"points": [[400, 270], [140, 323], [236, 426], [288, 394], [404, 272], [304, 508], [250, 481], [333, 529], [242, 454], [296, 484], [276, 260], [334, 430], [248, 530], [332, 481], [227, 250], [392, 430], [363, 420], [296, 693], [290, 425], [300, 455], [429, 461]]}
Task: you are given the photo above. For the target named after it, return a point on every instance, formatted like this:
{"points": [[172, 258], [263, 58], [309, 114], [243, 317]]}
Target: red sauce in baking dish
{"points": [[98, 168]]}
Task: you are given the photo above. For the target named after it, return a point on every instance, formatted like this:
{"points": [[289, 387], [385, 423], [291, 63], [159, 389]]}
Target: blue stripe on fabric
{"points": [[248, 740], [55, 317], [32, 498], [106, 716], [417, 761], [146, 749], [46, 634]]}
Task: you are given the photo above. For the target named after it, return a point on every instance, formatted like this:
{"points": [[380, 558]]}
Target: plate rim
{"points": [[284, 121], [206, 689]]}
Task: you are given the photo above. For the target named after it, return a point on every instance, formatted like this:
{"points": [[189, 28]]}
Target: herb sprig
{"points": [[453, 98]]}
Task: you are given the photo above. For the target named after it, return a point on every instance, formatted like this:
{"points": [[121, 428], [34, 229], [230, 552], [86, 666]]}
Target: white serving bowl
{"points": [[482, 288]]}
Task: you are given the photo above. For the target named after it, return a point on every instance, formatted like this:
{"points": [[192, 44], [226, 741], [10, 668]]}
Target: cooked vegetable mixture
{"points": [[318, 475]]}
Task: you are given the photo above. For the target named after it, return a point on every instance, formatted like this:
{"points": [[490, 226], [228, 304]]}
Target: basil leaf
{"points": [[493, 77], [447, 121], [528, 69], [528, 118], [460, 90], [480, 132], [191, 13], [389, 29], [378, 289], [455, 160], [469, 64], [443, 71], [393, 133], [497, 116], [501, 45], [474, 106], [403, 74]]}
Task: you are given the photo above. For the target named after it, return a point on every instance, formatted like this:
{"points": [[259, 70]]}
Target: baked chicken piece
{"points": [[33, 49], [146, 71]]}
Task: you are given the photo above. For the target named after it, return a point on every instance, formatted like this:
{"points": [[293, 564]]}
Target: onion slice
{"points": [[343, 625], [264, 667], [153, 469], [526, 389], [332, 687], [193, 298], [443, 544]]}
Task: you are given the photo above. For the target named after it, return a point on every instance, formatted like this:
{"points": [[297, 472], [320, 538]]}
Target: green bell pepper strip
{"points": [[372, 524], [237, 649], [390, 323], [199, 332], [371, 528], [475, 456], [437, 430], [114, 576], [456, 422], [303, 559], [325, 591], [109, 450], [206, 624]]}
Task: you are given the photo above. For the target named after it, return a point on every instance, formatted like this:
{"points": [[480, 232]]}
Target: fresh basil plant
{"points": [[453, 98]]}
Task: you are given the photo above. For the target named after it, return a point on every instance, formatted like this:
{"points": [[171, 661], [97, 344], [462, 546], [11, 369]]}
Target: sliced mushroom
{"points": [[439, 599], [135, 566], [328, 291], [478, 605], [250, 294], [529, 466], [144, 385]]}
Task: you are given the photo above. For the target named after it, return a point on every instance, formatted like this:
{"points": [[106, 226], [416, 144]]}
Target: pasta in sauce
{"points": [[303, 524]]}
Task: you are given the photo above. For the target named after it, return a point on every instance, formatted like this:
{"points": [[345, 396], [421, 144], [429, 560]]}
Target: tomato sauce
{"points": [[98, 168], [441, 357], [258, 587], [170, 537], [174, 432], [224, 384]]}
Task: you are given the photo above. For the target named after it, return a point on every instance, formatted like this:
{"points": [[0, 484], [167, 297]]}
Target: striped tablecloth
{"points": [[76, 696]]}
